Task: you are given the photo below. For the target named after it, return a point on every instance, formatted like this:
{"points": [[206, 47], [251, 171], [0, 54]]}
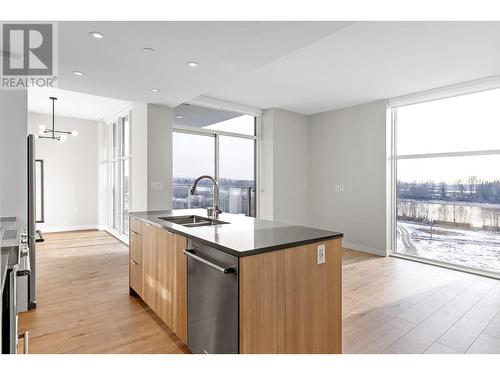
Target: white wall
{"points": [[139, 165], [13, 154], [285, 162], [348, 147], [291, 163], [71, 170], [159, 159]]}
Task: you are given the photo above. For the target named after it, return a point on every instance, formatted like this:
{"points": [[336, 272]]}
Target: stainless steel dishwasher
{"points": [[213, 300]]}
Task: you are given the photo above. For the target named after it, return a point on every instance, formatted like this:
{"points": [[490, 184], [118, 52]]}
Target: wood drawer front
{"points": [[135, 247], [135, 276], [135, 225]]}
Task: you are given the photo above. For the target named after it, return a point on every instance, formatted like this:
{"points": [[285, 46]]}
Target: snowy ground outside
{"points": [[471, 248]]}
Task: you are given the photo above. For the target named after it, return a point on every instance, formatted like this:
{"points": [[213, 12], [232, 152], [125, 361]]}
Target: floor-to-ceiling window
{"points": [[447, 180], [119, 132], [223, 149], [193, 156]]}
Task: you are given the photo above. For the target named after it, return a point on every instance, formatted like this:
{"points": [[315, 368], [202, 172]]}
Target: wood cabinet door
{"points": [[150, 266], [172, 282], [180, 287], [166, 276]]}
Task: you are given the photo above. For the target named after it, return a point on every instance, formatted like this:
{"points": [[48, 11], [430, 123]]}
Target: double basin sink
{"points": [[193, 221]]}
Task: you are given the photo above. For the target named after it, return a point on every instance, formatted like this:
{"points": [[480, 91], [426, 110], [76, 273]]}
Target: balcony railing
{"points": [[233, 199]]}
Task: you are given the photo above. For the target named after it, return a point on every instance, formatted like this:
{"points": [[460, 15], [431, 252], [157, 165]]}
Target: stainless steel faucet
{"points": [[211, 211]]}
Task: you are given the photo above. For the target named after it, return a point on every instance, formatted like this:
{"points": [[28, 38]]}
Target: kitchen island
{"points": [[287, 280]]}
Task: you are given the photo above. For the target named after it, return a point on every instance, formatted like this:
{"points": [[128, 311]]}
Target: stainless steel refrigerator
{"points": [[26, 285]]}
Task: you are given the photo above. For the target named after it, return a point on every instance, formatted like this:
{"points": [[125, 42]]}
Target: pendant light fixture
{"points": [[55, 135]]}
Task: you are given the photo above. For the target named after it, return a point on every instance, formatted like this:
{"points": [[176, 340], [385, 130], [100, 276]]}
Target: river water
{"points": [[476, 214]]}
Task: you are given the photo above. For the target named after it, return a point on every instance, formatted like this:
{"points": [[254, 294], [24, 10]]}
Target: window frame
{"points": [[118, 159], [466, 88], [217, 133]]}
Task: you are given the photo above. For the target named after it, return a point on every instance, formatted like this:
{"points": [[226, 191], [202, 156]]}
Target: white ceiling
{"points": [[199, 117], [73, 104], [117, 67], [306, 67], [369, 61]]}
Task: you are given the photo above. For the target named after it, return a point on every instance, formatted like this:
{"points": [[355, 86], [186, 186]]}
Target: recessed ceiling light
{"points": [[192, 64], [149, 50], [77, 73], [96, 35], [179, 116], [155, 90]]}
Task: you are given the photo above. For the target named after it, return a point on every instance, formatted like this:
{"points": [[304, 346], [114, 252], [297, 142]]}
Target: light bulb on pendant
{"points": [[42, 128], [63, 138], [74, 133]]}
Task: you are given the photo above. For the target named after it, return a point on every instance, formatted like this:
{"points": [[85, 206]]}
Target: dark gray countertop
{"points": [[3, 270], [9, 246], [243, 236]]}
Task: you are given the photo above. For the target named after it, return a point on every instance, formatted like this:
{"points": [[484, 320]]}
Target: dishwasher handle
{"points": [[189, 253]]}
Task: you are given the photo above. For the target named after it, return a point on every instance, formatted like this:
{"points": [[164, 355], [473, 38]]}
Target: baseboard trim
{"points": [[69, 229], [437, 263], [364, 249], [117, 235]]}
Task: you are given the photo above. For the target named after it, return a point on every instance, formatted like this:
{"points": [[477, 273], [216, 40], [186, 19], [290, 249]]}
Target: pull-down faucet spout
{"points": [[211, 211]]}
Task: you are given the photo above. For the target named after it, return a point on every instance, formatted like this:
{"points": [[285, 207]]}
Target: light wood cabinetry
{"points": [[135, 274], [261, 307], [288, 302], [135, 240], [179, 324], [163, 273], [135, 225], [150, 268], [291, 304], [165, 253], [135, 256], [172, 281]]}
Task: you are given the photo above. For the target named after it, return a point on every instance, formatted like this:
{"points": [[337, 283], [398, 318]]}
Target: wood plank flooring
{"points": [[397, 306], [84, 304], [389, 305]]}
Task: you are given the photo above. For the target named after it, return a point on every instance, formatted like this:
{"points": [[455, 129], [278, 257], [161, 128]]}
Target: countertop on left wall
{"points": [[3, 269], [9, 247]]}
